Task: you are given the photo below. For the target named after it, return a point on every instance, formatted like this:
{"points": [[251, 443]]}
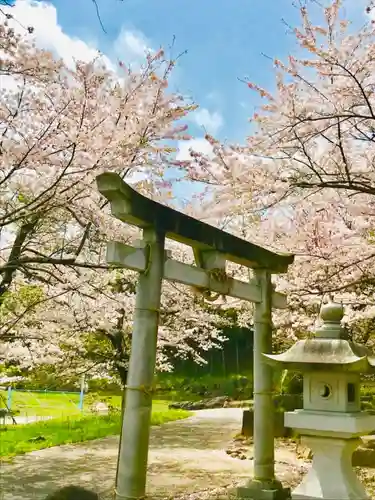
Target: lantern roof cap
{"points": [[329, 350], [325, 354]]}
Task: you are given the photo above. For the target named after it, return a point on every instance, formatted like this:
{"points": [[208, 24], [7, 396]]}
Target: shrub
{"points": [[233, 386], [291, 383], [105, 385]]}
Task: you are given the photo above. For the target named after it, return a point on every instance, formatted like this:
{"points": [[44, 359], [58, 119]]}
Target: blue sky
{"points": [[224, 40]]}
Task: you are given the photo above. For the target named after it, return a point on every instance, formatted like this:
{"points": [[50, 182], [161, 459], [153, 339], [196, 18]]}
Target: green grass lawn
{"points": [[60, 405], [42, 404], [20, 439]]}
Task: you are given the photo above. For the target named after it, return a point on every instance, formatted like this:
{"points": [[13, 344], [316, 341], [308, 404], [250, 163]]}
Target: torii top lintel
{"points": [[133, 208]]}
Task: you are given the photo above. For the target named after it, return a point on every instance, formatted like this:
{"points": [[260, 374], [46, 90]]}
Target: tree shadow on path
{"points": [[185, 454]]}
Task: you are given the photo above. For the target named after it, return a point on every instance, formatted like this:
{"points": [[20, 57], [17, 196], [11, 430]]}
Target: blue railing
{"points": [[11, 390]]}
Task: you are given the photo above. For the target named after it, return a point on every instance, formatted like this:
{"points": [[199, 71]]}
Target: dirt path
{"points": [[185, 456]]}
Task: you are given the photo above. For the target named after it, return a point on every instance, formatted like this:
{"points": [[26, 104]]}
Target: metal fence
{"points": [[25, 406]]}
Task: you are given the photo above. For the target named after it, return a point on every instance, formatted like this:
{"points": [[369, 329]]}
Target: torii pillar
{"points": [[263, 485]]}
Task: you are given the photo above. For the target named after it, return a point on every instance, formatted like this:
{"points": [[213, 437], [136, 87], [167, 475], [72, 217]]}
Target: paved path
{"points": [[185, 456], [24, 420]]}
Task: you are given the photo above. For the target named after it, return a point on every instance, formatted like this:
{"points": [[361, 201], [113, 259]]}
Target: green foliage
{"points": [[367, 397], [52, 378], [235, 356], [290, 383], [20, 439], [176, 388], [26, 297], [103, 385], [371, 236], [111, 348], [22, 198], [47, 377]]}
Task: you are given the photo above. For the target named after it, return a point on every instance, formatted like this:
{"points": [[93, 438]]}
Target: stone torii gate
{"points": [[212, 248]]}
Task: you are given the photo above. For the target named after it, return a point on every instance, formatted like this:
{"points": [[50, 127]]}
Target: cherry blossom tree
{"points": [[305, 180], [59, 128], [85, 324]]}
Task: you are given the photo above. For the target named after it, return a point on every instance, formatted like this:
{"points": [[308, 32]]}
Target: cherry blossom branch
{"points": [[8, 271]]}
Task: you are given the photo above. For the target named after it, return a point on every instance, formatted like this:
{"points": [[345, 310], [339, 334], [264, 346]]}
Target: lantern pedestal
{"points": [[332, 437], [331, 475]]}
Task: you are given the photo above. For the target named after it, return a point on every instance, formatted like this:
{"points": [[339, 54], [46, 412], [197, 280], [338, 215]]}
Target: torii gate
{"points": [[212, 248]]}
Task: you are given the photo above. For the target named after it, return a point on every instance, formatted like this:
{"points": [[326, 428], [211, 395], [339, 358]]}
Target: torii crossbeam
{"points": [[212, 248]]}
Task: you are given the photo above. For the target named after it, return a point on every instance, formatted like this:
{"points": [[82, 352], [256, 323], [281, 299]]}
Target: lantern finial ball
{"points": [[332, 312]]}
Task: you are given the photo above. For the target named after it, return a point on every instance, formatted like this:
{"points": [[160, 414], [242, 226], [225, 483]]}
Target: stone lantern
{"points": [[331, 421]]}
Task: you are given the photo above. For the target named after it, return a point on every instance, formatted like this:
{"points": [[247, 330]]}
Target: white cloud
{"points": [[48, 34], [131, 47], [211, 122], [200, 145]]}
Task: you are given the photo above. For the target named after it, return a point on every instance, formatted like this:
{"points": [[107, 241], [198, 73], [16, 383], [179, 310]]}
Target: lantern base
{"points": [[263, 490], [331, 476]]}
